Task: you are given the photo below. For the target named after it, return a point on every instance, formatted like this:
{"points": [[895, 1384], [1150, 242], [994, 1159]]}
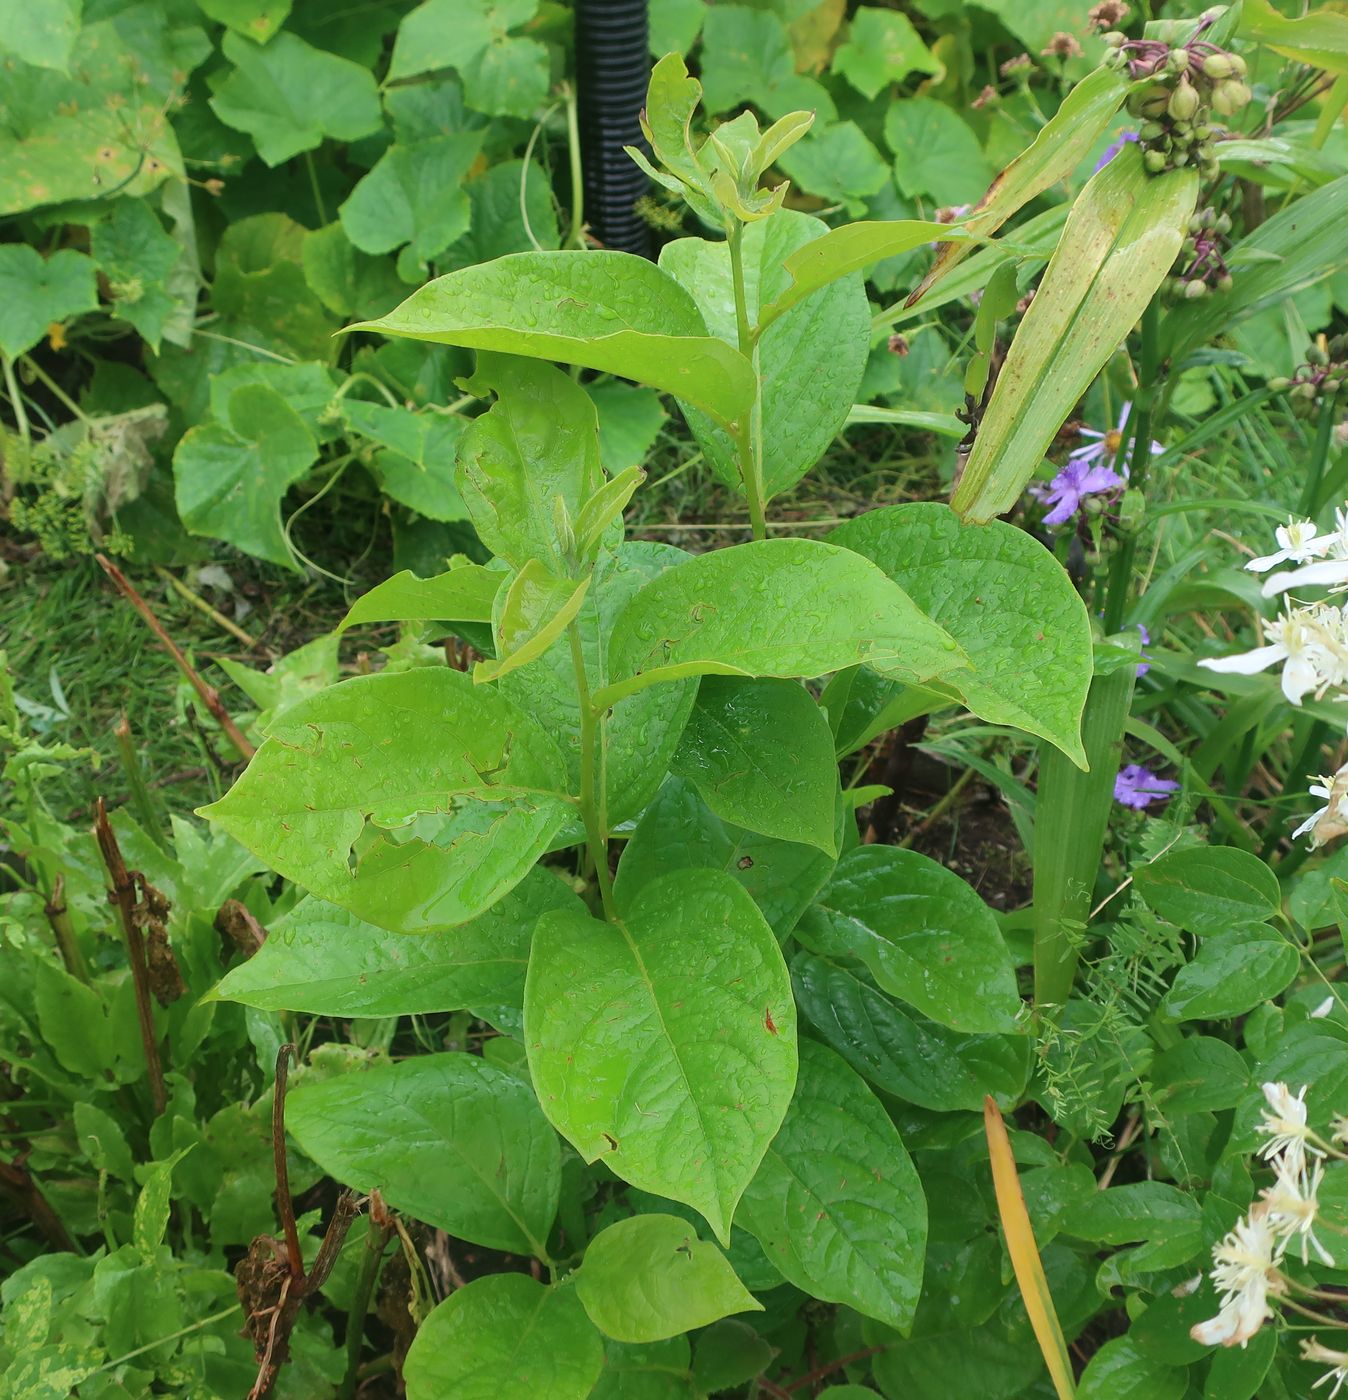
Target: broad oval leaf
{"points": [[1005, 599], [649, 1277], [914, 1059], [328, 962], [837, 1204], [505, 1335], [1120, 1371], [809, 364], [603, 310], [1209, 889], [773, 608], [1120, 240], [449, 1139], [463, 594], [1232, 973], [761, 754], [924, 934], [665, 1044], [414, 799]]}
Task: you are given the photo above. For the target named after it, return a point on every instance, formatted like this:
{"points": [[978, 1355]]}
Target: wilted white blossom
{"points": [[1284, 1123], [1326, 1356], [1245, 1271]]}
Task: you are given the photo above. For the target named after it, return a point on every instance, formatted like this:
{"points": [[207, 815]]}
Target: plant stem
{"points": [[370, 1261], [215, 615], [58, 916], [16, 399], [577, 234], [1324, 433], [135, 779], [751, 469], [123, 895], [1120, 574], [54, 388], [313, 185], [591, 798], [285, 1207]]}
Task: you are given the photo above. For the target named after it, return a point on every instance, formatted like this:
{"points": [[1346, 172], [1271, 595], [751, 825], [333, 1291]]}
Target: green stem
{"points": [[1121, 572], [141, 801], [577, 235], [54, 388], [751, 469], [591, 774], [376, 1241], [313, 185], [1324, 433], [16, 399]]}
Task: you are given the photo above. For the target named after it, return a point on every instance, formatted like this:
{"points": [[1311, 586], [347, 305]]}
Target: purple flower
{"points": [[1112, 151], [1072, 485], [1144, 665], [1138, 787]]}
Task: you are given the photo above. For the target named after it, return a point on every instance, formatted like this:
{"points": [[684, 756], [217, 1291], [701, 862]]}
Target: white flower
{"points": [[1292, 1207], [1337, 1360], [1285, 1124], [1299, 541], [1296, 639], [1338, 1130], [1331, 568], [1331, 820], [1323, 1009], [1245, 1269]]}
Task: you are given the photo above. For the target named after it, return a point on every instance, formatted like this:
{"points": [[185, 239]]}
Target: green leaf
{"points": [[747, 56], [102, 1141], [414, 799], [1319, 39], [257, 19], [1005, 599], [675, 25], [530, 616], [773, 608], [761, 754], [136, 256], [464, 594], [538, 443], [679, 831], [1120, 240], [602, 310], [325, 961], [1208, 889], [449, 1139], [924, 934], [882, 47], [288, 96], [504, 1335], [640, 733], [630, 420], [730, 1354], [1059, 147], [685, 1002], [72, 1020], [837, 163], [413, 195], [649, 1277], [656, 1371], [1141, 1211], [914, 1059], [503, 75], [935, 152], [1199, 1075], [837, 1205], [810, 361], [512, 212], [1232, 973], [229, 482], [35, 291], [42, 32], [150, 1220], [417, 468], [1119, 1371]]}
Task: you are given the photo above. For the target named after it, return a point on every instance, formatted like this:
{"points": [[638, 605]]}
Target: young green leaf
{"points": [[414, 799], [1209, 889], [35, 291], [773, 608], [530, 615], [761, 754], [603, 508], [505, 1335], [1005, 599], [684, 1003], [448, 1138], [603, 310], [837, 1205], [464, 594], [924, 934], [1120, 240], [650, 1277]]}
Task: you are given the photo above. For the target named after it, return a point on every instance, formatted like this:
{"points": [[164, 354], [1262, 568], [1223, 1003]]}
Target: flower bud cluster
{"points": [[1322, 378], [1200, 267], [1189, 82]]}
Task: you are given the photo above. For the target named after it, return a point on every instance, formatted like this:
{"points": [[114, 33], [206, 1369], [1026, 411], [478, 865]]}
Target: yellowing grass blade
{"points": [[1025, 1253]]}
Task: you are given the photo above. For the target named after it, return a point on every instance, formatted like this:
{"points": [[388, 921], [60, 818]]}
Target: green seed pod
{"points": [[1180, 158], [1210, 170], [1223, 224], [1183, 102], [1238, 65], [1218, 66], [1305, 391], [1317, 357], [1225, 282], [1115, 58], [1182, 130], [1230, 96], [1332, 385], [1151, 131], [1115, 39], [1203, 132], [1154, 161], [1190, 247], [1177, 60], [1195, 289], [1280, 385], [1209, 217]]}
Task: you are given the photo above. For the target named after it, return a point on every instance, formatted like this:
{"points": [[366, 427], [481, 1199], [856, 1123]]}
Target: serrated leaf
{"points": [[464, 594], [684, 1003], [747, 56], [530, 616], [1120, 240], [1209, 889], [447, 1138], [935, 152], [603, 310], [761, 754], [513, 211], [325, 961], [288, 96], [257, 19], [504, 1335], [837, 1205], [924, 934], [42, 32], [772, 608], [882, 47], [810, 362], [649, 1278], [35, 291], [837, 163], [912, 1058], [1005, 599], [414, 799], [136, 256], [229, 483]]}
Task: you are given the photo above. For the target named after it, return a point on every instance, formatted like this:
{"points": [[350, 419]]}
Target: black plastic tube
{"points": [[613, 67]]}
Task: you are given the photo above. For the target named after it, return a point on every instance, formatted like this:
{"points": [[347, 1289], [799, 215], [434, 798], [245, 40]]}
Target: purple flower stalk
{"points": [[1139, 787], [1144, 665], [1113, 150]]}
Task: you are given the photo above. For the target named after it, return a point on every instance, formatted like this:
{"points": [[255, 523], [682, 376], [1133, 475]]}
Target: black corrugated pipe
{"points": [[613, 67]]}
